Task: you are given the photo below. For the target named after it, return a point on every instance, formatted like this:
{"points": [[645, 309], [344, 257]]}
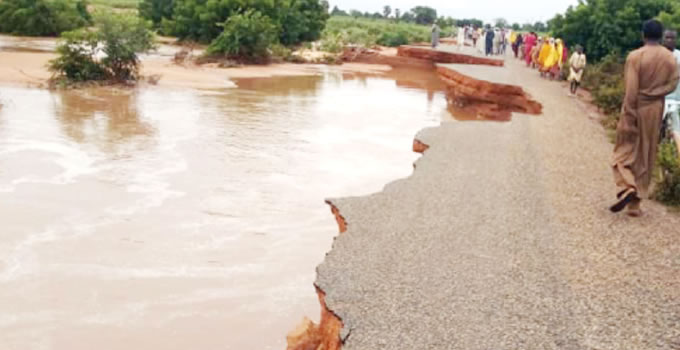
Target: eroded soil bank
{"points": [[23, 62], [469, 91]]}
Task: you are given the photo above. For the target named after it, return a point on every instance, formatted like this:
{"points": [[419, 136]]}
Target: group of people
{"points": [[549, 55], [652, 74]]}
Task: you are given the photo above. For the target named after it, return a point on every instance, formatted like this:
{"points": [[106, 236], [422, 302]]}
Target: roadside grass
{"points": [[116, 4], [341, 31]]}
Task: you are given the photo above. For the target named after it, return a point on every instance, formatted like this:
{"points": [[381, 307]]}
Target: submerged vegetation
{"points": [[107, 52]]}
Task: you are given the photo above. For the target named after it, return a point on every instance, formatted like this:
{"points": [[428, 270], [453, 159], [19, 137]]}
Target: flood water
{"points": [[185, 219]]}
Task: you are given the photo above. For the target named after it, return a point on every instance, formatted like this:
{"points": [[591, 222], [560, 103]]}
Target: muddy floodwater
{"points": [[154, 218]]}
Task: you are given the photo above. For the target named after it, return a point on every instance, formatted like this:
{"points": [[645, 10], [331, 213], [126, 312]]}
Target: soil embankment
{"points": [[24, 61]]}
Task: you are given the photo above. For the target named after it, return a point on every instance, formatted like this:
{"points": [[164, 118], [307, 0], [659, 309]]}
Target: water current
{"points": [[155, 218]]}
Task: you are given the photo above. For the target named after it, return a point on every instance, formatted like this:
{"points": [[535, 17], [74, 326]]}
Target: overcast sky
{"points": [[520, 11]]}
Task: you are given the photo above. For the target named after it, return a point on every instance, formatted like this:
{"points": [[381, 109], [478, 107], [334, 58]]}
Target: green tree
{"points": [[424, 14], [477, 23], [110, 51], [245, 36], [296, 20], [501, 23], [42, 17], [408, 17], [540, 27], [387, 11], [397, 14], [338, 12], [607, 26], [355, 13], [516, 26], [156, 10]]}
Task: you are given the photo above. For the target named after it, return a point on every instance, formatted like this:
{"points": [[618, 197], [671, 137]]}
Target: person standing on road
{"points": [[435, 35], [670, 39], [529, 44], [496, 41], [651, 73], [577, 63], [475, 37], [489, 41], [460, 40]]}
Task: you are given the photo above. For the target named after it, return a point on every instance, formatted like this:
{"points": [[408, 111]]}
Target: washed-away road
{"points": [[502, 239]]}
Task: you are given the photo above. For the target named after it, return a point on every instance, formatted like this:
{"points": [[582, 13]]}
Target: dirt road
{"points": [[501, 239]]}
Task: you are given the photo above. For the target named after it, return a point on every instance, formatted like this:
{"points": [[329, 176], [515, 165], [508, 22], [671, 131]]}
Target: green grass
{"points": [[343, 30], [118, 4]]}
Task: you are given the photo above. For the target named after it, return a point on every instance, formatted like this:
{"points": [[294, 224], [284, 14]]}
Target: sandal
{"points": [[630, 195]]}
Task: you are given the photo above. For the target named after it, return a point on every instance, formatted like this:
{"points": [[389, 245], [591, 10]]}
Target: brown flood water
{"points": [[187, 219]]}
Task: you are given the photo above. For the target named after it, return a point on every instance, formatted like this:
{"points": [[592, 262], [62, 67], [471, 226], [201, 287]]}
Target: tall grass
{"points": [[343, 30], [118, 4]]}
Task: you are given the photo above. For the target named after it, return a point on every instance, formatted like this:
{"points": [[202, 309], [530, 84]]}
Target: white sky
{"points": [[520, 11]]}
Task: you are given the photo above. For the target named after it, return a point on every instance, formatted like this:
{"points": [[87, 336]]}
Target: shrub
{"points": [[109, 52], [42, 17], [369, 32], [605, 82], [604, 26], [393, 39], [333, 43], [156, 10], [245, 36], [296, 20], [668, 188]]}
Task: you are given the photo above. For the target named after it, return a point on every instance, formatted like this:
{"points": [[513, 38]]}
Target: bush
{"points": [[605, 26], [393, 39], [369, 32], [668, 188], [109, 52], [605, 82], [156, 10], [42, 17], [245, 36], [296, 20]]}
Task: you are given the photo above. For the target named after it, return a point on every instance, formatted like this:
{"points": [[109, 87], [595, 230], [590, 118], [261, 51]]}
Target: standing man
{"points": [[435, 35], [489, 41], [651, 73], [577, 63], [460, 41], [670, 38]]}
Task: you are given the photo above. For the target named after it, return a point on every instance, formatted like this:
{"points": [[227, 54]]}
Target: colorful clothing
{"points": [[529, 44]]}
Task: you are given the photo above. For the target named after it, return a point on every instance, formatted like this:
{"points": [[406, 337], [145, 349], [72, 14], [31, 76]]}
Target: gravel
{"points": [[501, 239]]}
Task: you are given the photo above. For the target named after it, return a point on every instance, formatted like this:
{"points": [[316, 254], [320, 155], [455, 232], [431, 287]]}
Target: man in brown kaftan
{"points": [[651, 73]]}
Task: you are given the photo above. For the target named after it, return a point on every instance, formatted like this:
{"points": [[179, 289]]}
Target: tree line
{"points": [[426, 15], [605, 27]]}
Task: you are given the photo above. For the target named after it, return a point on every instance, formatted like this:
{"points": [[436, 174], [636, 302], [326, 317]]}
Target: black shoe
{"points": [[623, 202]]}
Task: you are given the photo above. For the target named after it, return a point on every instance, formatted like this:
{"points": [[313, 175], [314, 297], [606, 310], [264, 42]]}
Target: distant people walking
{"points": [[475, 37], [489, 41], [435, 35], [530, 43], [460, 40], [651, 73], [577, 64], [670, 39], [497, 41]]}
